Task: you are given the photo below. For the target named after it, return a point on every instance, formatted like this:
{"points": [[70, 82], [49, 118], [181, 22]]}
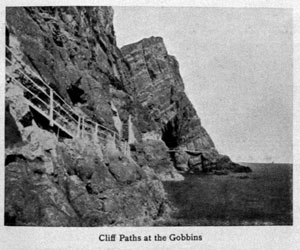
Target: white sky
{"points": [[236, 64]]}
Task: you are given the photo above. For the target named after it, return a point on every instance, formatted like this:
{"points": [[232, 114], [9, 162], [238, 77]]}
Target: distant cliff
{"points": [[157, 85], [136, 92]]}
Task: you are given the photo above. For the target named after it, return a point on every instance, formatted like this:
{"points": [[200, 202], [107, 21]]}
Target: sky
{"points": [[237, 66]]}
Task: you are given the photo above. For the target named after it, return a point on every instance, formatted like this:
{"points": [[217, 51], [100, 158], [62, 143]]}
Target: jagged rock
{"points": [[82, 147], [127, 211], [153, 153], [79, 198], [159, 88], [16, 104], [111, 149], [181, 161], [85, 161], [81, 191], [40, 138], [38, 145], [136, 91], [196, 161], [124, 171], [74, 50], [102, 179], [33, 199], [149, 173], [79, 40]]}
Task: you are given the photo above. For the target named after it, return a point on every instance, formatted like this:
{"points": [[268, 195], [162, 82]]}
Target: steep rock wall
{"points": [[158, 86], [54, 181], [136, 91], [74, 50]]}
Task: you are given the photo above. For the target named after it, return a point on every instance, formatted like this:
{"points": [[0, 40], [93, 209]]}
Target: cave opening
{"points": [[76, 94], [171, 136], [170, 133], [12, 133]]}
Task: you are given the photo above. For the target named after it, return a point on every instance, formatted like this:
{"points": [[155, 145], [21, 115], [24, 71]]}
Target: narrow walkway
{"points": [[187, 151], [42, 98]]}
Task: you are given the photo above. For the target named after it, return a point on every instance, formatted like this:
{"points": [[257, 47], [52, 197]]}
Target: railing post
{"points": [[51, 108], [78, 127]]}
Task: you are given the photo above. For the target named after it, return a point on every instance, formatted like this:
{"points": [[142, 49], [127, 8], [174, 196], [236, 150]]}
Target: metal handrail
{"points": [[64, 102], [20, 63], [36, 96], [65, 111], [22, 86], [56, 104], [45, 92]]}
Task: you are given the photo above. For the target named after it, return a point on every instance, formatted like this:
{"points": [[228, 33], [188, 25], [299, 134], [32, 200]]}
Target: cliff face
{"points": [[158, 86], [74, 50], [54, 180]]}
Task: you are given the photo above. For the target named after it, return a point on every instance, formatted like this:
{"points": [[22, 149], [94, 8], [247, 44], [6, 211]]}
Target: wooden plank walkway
{"points": [[42, 98]]}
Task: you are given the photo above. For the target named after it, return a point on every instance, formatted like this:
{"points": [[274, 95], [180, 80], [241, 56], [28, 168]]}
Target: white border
{"points": [[258, 238]]}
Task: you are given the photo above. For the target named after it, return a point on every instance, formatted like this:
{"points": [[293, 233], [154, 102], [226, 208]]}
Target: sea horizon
{"points": [[265, 163]]}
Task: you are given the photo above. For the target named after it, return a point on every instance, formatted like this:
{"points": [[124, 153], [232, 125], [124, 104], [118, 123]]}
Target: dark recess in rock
{"points": [[26, 120], [12, 133], [170, 134], [76, 94], [13, 158]]}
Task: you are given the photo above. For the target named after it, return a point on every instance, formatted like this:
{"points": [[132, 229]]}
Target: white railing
{"points": [[48, 103]]}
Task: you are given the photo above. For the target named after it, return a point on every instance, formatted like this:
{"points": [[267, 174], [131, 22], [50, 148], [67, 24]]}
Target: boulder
{"points": [[124, 171], [181, 161]]}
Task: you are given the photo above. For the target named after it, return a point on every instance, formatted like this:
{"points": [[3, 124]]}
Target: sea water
{"points": [[263, 197]]}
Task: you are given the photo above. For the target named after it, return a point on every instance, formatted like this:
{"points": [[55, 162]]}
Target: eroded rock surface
{"points": [[53, 180], [69, 183], [158, 87]]}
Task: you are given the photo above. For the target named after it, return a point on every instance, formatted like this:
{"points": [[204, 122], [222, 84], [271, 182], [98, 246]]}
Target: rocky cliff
{"points": [[52, 179], [157, 85]]}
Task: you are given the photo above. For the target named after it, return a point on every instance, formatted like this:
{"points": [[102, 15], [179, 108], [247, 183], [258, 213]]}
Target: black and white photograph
{"points": [[144, 117]]}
